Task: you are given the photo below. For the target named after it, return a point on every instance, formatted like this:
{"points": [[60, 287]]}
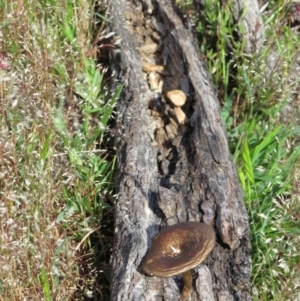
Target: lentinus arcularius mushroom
{"points": [[178, 249]]}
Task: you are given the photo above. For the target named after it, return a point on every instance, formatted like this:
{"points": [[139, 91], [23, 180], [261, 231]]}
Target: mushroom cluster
{"points": [[179, 248], [169, 120]]}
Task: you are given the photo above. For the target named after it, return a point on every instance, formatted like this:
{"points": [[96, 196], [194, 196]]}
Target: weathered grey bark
{"points": [[247, 15], [169, 172]]}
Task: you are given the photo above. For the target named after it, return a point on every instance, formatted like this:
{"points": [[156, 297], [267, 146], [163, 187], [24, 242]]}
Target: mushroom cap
{"points": [[177, 97], [179, 248]]}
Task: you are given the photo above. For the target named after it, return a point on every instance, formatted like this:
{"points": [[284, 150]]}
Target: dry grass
{"points": [[52, 196]]}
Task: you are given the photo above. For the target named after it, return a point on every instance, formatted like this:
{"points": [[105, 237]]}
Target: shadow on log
{"points": [[171, 170]]}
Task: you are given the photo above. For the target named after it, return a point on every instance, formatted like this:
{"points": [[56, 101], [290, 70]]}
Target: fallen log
{"points": [[171, 169]]}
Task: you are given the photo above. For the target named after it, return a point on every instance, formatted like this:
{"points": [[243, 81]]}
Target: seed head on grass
{"points": [[55, 180]]}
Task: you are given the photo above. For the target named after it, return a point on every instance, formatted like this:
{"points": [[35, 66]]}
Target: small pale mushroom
{"points": [[178, 99], [177, 249], [155, 82], [149, 48]]}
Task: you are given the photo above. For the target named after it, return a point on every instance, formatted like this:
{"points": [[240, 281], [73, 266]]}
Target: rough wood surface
{"points": [[170, 172]]}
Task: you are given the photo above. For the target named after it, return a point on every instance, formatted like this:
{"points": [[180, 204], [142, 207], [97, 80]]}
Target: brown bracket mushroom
{"points": [[179, 248], [178, 99]]}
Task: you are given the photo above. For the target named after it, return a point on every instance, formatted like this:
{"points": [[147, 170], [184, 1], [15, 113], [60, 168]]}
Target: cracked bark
{"points": [[169, 177]]}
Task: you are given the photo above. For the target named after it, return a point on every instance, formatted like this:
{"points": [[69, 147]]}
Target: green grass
{"points": [[261, 140], [57, 162]]}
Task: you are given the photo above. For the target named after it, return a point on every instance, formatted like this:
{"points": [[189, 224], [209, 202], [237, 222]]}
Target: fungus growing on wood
{"points": [[155, 82], [178, 99], [148, 67], [179, 248]]}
